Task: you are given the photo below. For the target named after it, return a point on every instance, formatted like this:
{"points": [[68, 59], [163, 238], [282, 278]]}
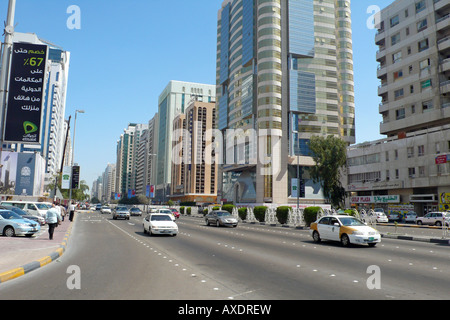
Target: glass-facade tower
{"points": [[284, 71]]}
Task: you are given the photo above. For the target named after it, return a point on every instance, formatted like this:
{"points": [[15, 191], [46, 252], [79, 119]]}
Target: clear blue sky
{"points": [[127, 51]]}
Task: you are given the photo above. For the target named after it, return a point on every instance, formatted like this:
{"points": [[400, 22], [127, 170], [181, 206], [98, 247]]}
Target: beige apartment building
{"points": [[194, 169], [410, 169]]}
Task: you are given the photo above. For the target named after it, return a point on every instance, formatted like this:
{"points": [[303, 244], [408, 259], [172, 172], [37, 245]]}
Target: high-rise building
{"points": [[173, 101], [127, 148], [284, 72], [414, 69], [410, 169], [194, 169]]}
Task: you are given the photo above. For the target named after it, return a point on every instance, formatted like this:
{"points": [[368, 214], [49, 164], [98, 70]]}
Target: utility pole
{"points": [[6, 57]]}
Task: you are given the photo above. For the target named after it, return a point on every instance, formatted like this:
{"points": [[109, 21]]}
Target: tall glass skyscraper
{"points": [[284, 72]]}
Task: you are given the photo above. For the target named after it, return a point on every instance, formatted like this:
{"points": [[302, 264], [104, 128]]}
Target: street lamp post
{"points": [[73, 152]]}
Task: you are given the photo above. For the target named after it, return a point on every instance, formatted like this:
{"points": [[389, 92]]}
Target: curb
{"points": [[412, 238], [27, 268]]}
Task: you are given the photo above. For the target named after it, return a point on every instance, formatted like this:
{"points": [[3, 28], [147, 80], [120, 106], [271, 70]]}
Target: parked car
{"points": [[12, 224], [160, 223], [346, 229], [121, 212], [434, 219], [105, 209], [135, 211], [221, 218], [25, 214], [394, 216], [175, 213], [33, 208], [410, 217], [381, 217], [98, 206]]}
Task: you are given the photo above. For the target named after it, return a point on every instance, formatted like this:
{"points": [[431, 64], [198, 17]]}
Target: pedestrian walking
{"points": [[71, 211], [52, 217]]}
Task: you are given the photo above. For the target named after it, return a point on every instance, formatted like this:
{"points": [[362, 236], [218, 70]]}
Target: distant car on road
{"points": [[166, 211], [348, 230], [175, 213], [98, 206], [105, 209], [221, 218], [135, 211], [12, 224], [434, 219], [121, 212], [160, 223]]}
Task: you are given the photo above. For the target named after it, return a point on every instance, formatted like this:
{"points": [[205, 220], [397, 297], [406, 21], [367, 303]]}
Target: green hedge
{"points": [[310, 215], [188, 211], [182, 210], [242, 212], [228, 207], [282, 214], [260, 213]]}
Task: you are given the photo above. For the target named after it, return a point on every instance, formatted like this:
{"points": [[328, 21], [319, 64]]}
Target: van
{"points": [[33, 208]]}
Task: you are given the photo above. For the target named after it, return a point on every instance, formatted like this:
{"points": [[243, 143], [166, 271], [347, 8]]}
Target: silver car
{"points": [[221, 218], [122, 213], [11, 224]]}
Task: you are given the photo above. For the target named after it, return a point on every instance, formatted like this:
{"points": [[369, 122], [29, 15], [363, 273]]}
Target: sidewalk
{"points": [[20, 255]]}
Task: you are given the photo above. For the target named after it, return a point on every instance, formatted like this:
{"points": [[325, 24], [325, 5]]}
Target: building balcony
{"points": [[445, 86], [445, 65], [443, 22], [444, 43]]}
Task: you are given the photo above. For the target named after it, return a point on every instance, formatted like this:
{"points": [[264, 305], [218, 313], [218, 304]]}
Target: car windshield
{"points": [[135, 209], [9, 215], [350, 221], [42, 206], [160, 218], [121, 208], [223, 213], [165, 211]]}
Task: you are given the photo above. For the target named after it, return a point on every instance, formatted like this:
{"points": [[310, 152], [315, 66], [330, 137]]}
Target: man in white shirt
{"points": [[52, 217]]}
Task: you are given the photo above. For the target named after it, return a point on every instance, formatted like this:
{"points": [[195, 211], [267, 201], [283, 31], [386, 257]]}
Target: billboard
{"points": [[25, 97], [22, 174], [66, 176]]}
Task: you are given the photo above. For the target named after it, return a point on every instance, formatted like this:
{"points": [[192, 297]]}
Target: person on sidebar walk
{"points": [[71, 210], [52, 217]]}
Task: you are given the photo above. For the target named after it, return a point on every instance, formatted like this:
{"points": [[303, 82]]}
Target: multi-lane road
{"points": [[114, 259]]}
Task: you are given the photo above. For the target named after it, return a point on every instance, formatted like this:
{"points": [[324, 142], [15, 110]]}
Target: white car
{"points": [[160, 223], [434, 219], [346, 229], [105, 209], [381, 217], [166, 211], [410, 217]]}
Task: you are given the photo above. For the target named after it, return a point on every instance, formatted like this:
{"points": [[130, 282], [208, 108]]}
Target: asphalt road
{"points": [[114, 259]]}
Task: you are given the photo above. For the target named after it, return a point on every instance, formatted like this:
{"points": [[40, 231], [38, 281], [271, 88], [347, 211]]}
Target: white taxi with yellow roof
{"points": [[346, 229]]}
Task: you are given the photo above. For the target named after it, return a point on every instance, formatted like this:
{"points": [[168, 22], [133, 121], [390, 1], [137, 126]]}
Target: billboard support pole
{"points": [[6, 55]]}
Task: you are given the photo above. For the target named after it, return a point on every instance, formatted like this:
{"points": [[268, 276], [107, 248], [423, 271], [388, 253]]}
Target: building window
{"points": [[410, 151], [427, 105], [400, 114], [398, 94], [411, 172], [421, 151], [423, 45], [425, 84], [420, 6], [422, 25], [395, 39], [395, 21], [397, 57]]}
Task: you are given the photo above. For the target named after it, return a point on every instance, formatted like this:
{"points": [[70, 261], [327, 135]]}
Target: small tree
{"points": [[330, 155], [242, 212], [310, 215]]}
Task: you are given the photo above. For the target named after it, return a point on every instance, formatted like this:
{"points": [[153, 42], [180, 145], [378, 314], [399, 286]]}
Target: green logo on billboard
{"points": [[29, 127]]}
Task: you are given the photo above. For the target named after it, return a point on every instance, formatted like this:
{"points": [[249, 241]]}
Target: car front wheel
{"points": [[345, 240], [316, 236], [9, 232]]}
